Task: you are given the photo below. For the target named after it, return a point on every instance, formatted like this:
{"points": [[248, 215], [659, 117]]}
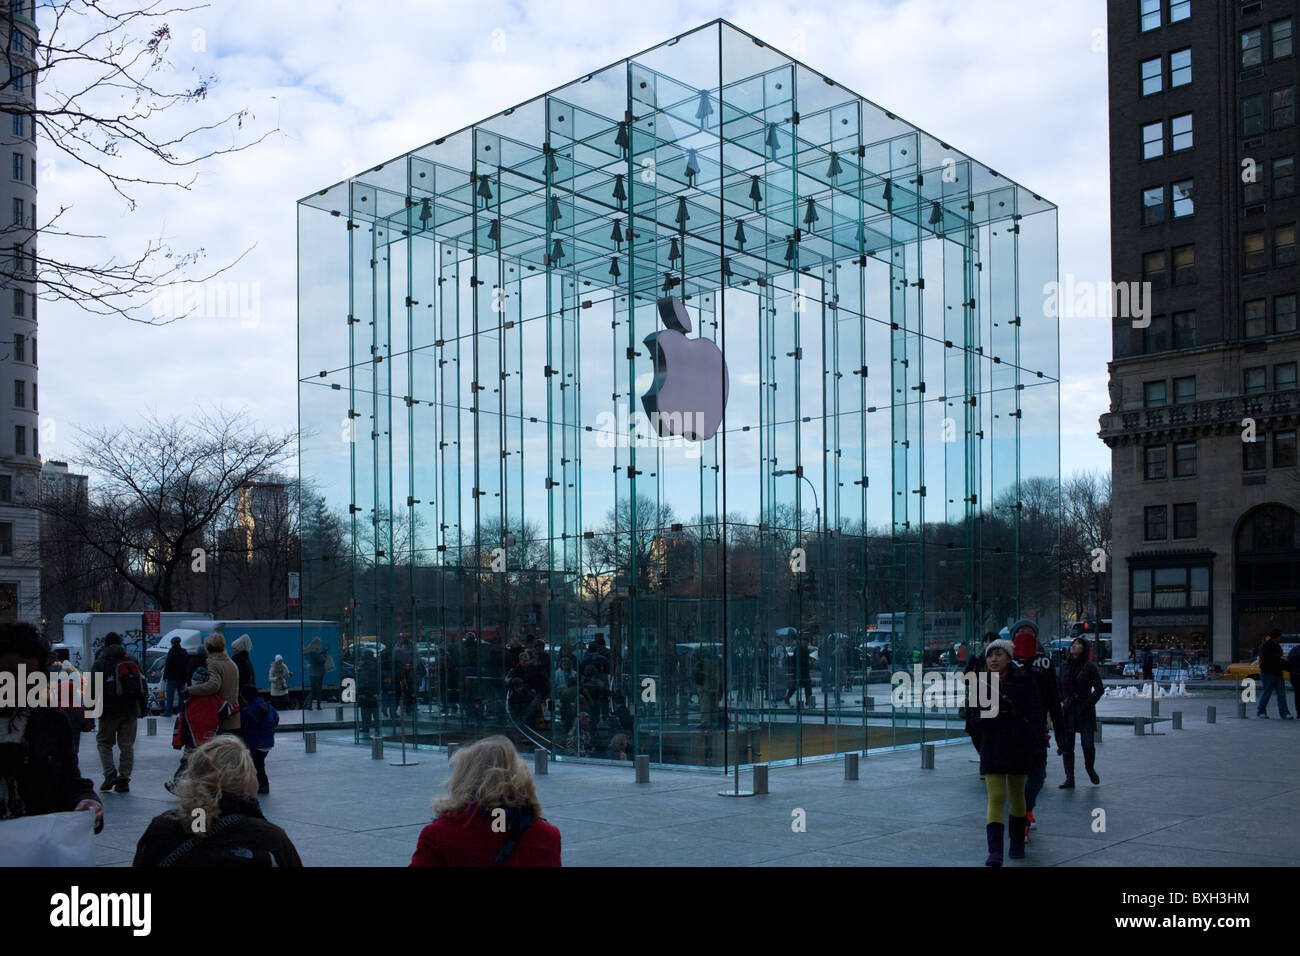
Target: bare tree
{"points": [[161, 491], [111, 102]]}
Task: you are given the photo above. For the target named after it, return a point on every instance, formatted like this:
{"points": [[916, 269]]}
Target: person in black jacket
{"points": [[219, 822], [1038, 665], [176, 675], [1009, 748], [38, 763], [240, 655], [1081, 688], [976, 666], [1270, 673], [125, 701]]}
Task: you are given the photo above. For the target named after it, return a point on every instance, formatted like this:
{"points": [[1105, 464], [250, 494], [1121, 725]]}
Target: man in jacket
{"points": [[1024, 637], [1270, 673], [176, 674], [222, 682], [125, 696]]}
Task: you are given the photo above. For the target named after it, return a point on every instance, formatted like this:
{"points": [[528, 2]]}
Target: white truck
{"points": [[83, 633]]}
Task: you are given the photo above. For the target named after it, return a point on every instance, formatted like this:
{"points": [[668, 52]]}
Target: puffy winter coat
{"points": [[1080, 691], [258, 720], [222, 683], [241, 837], [1012, 742], [467, 839]]}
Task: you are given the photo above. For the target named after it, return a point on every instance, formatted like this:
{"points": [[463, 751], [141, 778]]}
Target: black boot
{"points": [[1018, 827], [1068, 785], [1089, 757], [993, 831]]}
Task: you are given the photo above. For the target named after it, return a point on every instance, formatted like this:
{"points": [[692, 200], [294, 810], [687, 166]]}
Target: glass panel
{"points": [[1180, 67], [1152, 76], [1170, 587], [1153, 205], [1282, 35], [1200, 587], [1252, 47], [1150, 14], [1182, 197]]}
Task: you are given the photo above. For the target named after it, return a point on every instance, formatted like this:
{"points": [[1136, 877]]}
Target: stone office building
{"points": [[1204, 400]]}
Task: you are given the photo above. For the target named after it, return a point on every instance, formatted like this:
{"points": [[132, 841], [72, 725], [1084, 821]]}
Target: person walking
{"points": [[219, 787], [1148, 663], [1009, 750], [176, 674], [222, 683], [241, 654], [974, 723], [799, 671], [198, 720], [1081, 688], [316, 655], [368, 693], [491, 815], [1293, 667], [1270, 674], [258, 720], [278, 678], [124, 703], [1029, 655]]}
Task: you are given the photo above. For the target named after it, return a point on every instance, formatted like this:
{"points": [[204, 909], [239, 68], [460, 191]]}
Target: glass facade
{"points": [[486, 324]]}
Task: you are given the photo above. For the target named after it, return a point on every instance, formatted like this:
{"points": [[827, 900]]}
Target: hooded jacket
{"points": [[222, 682], [258, 720], [243, 663], [247, 839]]}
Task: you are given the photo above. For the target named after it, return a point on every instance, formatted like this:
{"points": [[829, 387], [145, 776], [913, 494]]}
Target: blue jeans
{"points": [[1034, 783], [172, 697], [1273, 682]]}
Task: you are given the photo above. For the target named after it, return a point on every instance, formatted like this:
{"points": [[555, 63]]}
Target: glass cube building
{"points": [[722, 389]]}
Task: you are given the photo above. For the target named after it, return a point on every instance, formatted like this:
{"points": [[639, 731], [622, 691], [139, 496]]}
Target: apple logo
{"points": [[685, 398]]}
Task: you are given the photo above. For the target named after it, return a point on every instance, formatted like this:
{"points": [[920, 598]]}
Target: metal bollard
{"points": [[927, 756], [151, 727], [1211, 715], [1139, 727], [760, 778], [1177, 717], [309, 739], [1241, 709], [338, 713], [451, 751], [643, 768], [539, 762], [376, 748], [850, 766]]}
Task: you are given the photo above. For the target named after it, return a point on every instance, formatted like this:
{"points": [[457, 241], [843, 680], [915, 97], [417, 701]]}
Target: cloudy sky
{"points": [[1020, 87]]}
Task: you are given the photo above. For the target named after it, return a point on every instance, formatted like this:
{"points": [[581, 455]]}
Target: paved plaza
{"points": [[1206, 795]]}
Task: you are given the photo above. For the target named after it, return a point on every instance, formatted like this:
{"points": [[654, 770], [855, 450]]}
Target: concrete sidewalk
{"points": [[1201, 796]]}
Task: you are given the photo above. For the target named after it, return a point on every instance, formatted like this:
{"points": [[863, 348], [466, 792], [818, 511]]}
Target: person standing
{"points": [[1081, 688], [222, 683], [1009, 749], [124, 703], [1039, 667], [1270, 673], [315, 654], [278, 678], [241, 654], [799, 666], [258, 720], [976, 666], [176, 672], [1148, 663]]}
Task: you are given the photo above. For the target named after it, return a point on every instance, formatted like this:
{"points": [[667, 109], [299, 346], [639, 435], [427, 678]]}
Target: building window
{"points": [[1184, 330], [1180, 67], [1153, 205], [20, 342], [1284, 245], [1153, 140], [1252, 455], [1254, 380], [1200, 589], [18, 211], [20, 440], [1150, 14], [15, 41], [1185, 520], [1155, 337], [6, 539], [20, 301], [1185, 459], [16, 78], [36, 446], [1281, 36], [1184, 265], [1284, 177], [1142, 590], [1284, 376], [1182, 192], [1184, 389], [1152, 77], [1252, 47], [1171, 587], [6, 488], [20, 393], [1153, 394], [35, 407], [1253, 246], [1282, 107], [1180, 131], [1284, 313], [18, 167], [1252, 191], [1252, 114], [18, 125], [1254, 319], [1153, 269], [1179, 10], [1156, 520], [1284, 449], [1154, 462]]}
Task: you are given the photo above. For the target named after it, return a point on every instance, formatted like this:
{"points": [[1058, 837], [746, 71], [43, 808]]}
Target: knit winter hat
{"points": [[1024, 636], [1001, 644], [112, 637]]}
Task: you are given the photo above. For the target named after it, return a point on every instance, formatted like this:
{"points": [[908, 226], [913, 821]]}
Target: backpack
{"points": [[127, 679]]}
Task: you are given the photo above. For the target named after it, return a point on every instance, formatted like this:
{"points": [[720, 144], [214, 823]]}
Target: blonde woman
{"points": [[222, 682], [491, 815], [218, 822]]}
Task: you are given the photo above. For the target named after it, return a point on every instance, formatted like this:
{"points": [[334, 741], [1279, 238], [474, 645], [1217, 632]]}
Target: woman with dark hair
{"points": [[1081, 688], [972, 716], [38, 763], [1009, 748]]}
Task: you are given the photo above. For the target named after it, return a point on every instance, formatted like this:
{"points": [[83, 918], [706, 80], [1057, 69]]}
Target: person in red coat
{"points": [[491, 815]]}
